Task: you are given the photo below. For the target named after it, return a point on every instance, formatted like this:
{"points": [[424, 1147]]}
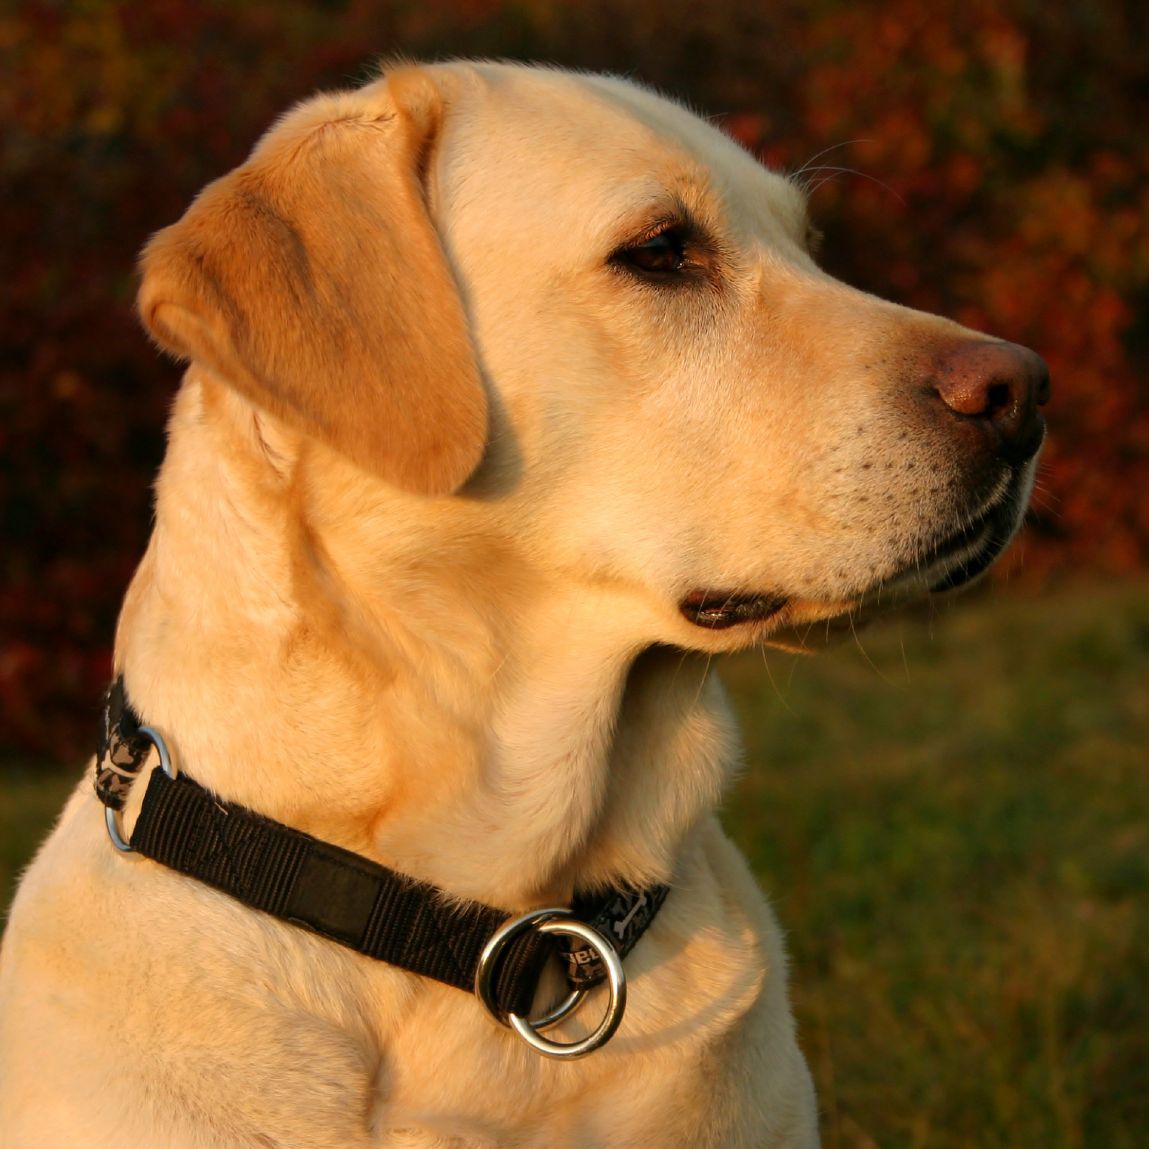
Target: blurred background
{"points": [[952, 812]]}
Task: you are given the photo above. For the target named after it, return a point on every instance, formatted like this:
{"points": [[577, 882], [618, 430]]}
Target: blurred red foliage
{"points": [[986, 160]]}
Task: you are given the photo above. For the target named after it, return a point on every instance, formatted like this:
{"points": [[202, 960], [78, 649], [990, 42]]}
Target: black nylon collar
{"points": [[341, 895]]}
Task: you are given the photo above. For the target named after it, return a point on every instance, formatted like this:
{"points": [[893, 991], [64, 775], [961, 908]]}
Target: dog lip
{"points": [[719, 610], [969, 568], [988, 535]]}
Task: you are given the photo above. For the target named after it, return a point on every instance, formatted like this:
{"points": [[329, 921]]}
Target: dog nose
{"points": [[1002, 385]]}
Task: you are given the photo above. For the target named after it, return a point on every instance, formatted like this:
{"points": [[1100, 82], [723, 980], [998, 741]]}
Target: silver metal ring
{"points": [[492, 951], [553, 920], [114, 819]]}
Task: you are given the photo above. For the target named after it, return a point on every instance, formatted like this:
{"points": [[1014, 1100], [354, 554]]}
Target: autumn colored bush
{"points": [[982, 159]]}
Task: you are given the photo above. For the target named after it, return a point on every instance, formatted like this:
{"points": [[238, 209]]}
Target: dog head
{"points": [[573, 315]]}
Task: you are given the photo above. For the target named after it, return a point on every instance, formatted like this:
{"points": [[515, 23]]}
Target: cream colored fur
{"points": [[439, 475]]}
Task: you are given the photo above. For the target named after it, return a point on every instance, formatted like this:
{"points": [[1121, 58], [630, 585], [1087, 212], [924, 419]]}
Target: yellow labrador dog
{"points": [[514, 396]]}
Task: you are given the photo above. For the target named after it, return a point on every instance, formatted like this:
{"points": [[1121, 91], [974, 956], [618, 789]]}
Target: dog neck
{"points": [[399, 680]]}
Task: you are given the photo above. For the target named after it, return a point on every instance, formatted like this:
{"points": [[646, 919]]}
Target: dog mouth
{"points": [[955, 560], [720, 610]]}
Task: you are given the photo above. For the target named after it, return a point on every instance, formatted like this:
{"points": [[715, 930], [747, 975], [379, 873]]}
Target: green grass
{"points": [[951, 816]]}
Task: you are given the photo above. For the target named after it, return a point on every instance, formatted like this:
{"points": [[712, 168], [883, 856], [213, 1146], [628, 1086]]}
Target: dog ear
{"points": [[312, 279]]}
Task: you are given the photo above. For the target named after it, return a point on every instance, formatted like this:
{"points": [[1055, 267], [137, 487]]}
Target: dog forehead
{"points": [[753, 195], [599, 149]]}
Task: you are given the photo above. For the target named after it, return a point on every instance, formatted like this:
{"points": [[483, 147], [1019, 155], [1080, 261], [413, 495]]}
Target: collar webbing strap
{"points": [[339, 894], [329, 890]]}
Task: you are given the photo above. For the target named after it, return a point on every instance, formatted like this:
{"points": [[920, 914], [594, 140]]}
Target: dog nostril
{"points": [[998, 398]]}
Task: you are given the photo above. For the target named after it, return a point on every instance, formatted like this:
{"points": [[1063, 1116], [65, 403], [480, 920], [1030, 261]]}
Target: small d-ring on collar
{"points": [[554, 920], [113, 818]]}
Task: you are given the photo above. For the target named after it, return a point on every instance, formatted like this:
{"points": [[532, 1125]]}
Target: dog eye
{"points": [[662, 254]]}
